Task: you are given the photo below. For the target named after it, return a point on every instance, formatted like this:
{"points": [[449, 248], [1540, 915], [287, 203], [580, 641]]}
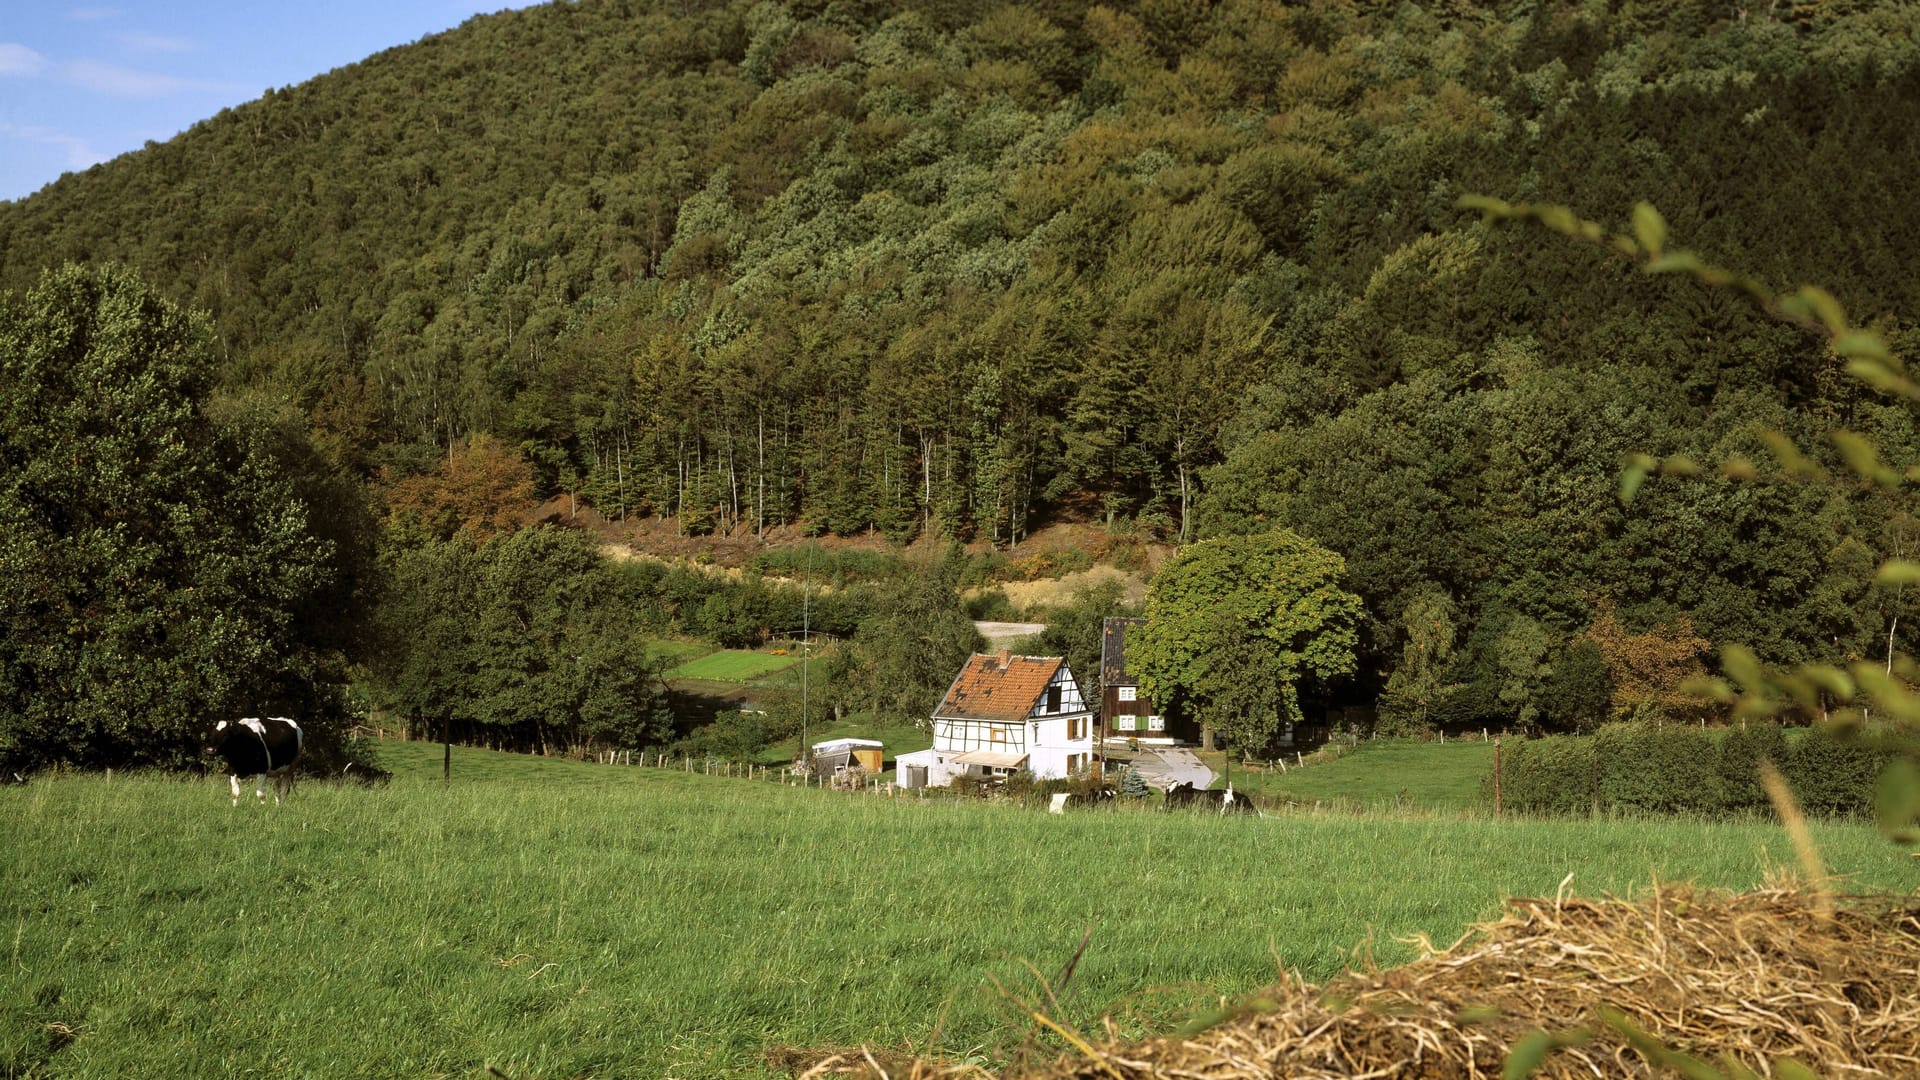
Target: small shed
{"points": [[831, 757]]}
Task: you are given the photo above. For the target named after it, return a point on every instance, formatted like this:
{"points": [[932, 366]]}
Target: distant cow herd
{"points": [[1181, 796], [1184, 796]]}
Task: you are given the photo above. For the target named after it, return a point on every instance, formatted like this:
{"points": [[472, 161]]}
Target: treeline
{"points": [[957, 269]]}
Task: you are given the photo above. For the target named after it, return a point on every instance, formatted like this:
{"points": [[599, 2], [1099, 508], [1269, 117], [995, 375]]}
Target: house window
{"points": [[1124, 721], [998, 734], [1128, 693], [1053, 698], [1156, 723], [1077, 728]]}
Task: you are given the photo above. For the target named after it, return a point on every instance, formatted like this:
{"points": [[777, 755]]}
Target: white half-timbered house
{"points": [[1004, 713]]}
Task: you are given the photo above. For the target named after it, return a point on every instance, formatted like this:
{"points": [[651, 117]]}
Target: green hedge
{"points": [[1674, 768], [1554, 775]]}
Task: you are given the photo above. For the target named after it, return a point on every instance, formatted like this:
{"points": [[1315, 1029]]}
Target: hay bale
{"points": [[1752, 978]]}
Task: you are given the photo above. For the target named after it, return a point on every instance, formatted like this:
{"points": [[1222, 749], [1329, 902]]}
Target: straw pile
{"points": [[1760, 981]]}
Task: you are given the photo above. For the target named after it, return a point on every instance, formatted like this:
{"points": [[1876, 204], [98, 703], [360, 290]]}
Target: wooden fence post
{"points": [[1496, 778]]}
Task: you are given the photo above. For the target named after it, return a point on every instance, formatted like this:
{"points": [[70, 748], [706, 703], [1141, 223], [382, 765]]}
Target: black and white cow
{"points": [[263, 748], [1184, 795]]}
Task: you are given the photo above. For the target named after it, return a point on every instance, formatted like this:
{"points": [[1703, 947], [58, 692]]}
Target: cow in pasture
{"points": [[1185, 796], [1182, 795], [263, 748], [1103, 795]]}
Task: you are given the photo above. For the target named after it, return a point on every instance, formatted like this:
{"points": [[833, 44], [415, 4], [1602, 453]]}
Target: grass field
{"points": [[1387, 774], [677, 650], [563, 919], [732, 666]]}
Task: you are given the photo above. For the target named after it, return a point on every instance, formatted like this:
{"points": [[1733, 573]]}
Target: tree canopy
{"points": [[165, 562], [1236, 625]]}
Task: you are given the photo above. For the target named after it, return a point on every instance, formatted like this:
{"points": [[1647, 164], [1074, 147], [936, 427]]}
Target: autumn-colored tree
{"points": [[1648, 670], [482, 489]]}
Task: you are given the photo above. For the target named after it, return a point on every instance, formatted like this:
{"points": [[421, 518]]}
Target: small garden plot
{"points": [[733, 665]]}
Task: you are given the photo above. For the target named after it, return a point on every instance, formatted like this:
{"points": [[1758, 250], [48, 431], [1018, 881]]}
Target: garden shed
{"points": [[837, 754]]}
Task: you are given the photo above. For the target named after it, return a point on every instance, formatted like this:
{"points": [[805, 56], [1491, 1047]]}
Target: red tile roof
{"points": [[999, 687]]}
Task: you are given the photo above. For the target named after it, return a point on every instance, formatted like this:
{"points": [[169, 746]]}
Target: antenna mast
{"points": [[806, 654]]}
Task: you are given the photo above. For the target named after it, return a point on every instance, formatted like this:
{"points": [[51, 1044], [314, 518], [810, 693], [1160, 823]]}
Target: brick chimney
{"points": [[1006, 659]]}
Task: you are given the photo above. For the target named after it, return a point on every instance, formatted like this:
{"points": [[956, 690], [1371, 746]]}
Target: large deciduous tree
{"points": [[159, 567], [1236, 625]]}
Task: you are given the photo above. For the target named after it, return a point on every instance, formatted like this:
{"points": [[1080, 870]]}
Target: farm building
{"points": [[1125, 713], [840, 754], [1004, 713]]}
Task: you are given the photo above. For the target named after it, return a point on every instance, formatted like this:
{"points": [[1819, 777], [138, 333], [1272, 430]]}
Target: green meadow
{"points": [[1384, 774], [562, 919], [732, 665]]}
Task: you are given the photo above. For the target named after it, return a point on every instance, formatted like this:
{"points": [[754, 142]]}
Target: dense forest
{"points": [[958, 270]]}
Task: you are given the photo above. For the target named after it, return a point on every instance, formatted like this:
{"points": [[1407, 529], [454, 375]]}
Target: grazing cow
{"points": [[1099, 796], [263, 748], [1234, 804], [1184, 796]]}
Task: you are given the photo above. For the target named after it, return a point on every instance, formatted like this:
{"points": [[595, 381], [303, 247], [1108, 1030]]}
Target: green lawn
{"points": [[1376, 774], [678, 650], [732, 666], [560, 919]]}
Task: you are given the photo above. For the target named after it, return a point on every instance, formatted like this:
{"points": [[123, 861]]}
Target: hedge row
{"points": [[1674, 768]]}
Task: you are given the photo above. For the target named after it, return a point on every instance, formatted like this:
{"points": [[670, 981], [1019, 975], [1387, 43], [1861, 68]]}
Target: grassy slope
{"points": [[732, 665], [564, 919], [1379, 775]]}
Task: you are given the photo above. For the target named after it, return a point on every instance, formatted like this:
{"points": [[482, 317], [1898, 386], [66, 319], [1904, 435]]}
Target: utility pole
{"points": [[806, 654]]}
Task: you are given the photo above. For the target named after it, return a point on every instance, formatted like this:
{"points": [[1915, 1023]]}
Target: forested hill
{"points": [[958, 267]]}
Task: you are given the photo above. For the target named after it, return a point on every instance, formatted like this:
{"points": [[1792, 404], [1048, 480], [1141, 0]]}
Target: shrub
{"points": [[1741, 751], [1833, 775], [1553, 775], [1662, 768], [992, 605]]}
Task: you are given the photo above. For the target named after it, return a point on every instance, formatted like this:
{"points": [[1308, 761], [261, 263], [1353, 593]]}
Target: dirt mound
{"points": [[1053, 592], [661, 537], [1679, 982]]}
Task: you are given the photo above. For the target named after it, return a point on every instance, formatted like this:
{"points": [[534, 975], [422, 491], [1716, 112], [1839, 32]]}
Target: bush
{"points": [[733, 736], [992, 605], [1741, 751], [1553, 775], [1663, 768], [1832, 775]]}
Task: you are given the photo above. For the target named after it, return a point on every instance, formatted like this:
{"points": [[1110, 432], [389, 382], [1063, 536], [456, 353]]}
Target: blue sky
{"points": [[83, 82]]}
